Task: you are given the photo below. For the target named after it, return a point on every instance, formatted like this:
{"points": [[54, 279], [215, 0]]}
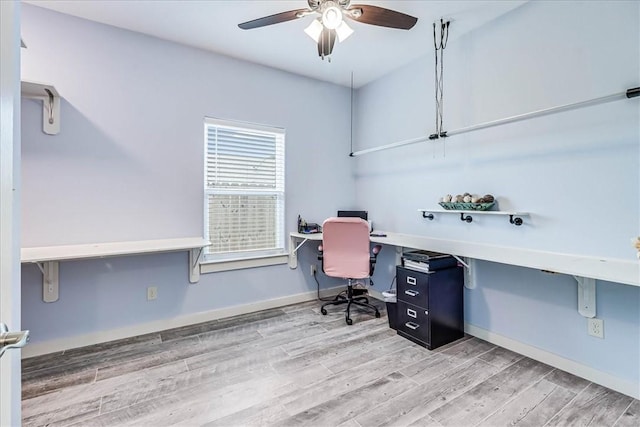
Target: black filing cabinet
{"points": [[430, 306]]}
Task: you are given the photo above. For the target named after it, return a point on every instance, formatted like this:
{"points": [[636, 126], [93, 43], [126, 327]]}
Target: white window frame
{"points": [[249, 258]]}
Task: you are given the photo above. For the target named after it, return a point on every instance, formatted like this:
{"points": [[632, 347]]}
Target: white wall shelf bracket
{"points": [[294, 246], [469, 271], [470, 280], [586, 296], [194, 264], [50, 280], [50, 104], [461, 261]]}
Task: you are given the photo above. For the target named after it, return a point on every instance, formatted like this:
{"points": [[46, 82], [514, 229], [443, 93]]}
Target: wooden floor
{"points": [[293, 366]]}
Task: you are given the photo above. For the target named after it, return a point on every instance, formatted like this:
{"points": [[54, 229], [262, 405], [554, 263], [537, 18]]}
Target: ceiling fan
{"points": [[331, 23]]}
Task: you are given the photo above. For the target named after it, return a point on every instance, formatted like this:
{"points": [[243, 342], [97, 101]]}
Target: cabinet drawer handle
{"points": [[411, 293], [412, 313], [412, 325], [411, 280]]}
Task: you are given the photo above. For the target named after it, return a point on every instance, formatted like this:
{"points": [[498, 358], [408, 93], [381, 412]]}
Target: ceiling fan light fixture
{"points": [[314, 30], [343, 31], [332, 17]]}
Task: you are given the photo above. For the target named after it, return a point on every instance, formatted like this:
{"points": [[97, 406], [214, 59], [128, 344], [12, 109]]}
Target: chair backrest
{"points": [[345, 248]]}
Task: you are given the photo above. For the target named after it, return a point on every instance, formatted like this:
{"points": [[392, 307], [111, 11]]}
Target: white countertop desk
{"points": [[585, 269], [47, 257]]}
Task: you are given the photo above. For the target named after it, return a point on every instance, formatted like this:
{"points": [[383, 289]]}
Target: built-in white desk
{"points": [[585, 269], [47, 257]]}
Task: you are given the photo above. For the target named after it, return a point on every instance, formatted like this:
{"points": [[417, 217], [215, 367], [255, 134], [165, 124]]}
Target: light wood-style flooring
{"points": [[292, 366]]}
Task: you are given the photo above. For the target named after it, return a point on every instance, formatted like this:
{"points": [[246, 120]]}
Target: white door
{"points": [[10, 206]]}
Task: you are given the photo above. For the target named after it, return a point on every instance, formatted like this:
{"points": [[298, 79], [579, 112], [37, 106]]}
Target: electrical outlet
{"points": [[152, 293], [313, 269], [596, 327]]}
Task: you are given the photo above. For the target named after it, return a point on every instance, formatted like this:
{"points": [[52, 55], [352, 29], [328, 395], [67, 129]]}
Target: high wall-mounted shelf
{"points": [[47, 257], [515, 218], [50, 104]]}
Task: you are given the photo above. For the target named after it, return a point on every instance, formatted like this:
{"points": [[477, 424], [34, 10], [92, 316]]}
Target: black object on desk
{"points": [[354, 214], [430, 308], [308, 227]]}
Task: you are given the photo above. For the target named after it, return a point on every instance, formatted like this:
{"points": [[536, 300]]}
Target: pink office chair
{"points": [[345, 253]]}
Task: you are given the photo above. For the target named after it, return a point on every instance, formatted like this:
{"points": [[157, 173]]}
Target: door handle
{"points": [[10, 340]]}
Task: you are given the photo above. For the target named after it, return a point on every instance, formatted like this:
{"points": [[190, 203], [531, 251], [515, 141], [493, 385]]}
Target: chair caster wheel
{"points": [[349, 321], [377, 314], [323, 311]]}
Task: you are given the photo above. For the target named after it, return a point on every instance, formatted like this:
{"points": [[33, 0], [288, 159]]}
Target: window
{"points": [[244, 190]]}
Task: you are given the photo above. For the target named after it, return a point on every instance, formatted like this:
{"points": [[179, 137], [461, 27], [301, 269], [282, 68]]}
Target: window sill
{"points": [[239, 264]]}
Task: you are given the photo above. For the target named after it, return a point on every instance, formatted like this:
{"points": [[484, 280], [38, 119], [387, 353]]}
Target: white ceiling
{"points": [[212, 25]]}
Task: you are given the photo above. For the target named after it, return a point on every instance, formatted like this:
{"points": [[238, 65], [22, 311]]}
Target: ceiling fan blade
{"points": [[382, 17], [273, 19], [326, 42]]}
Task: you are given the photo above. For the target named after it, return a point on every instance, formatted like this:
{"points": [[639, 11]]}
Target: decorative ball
{"points": [[466, 198], [458, 198], [488, 198], [475, 199], [447, 198]]}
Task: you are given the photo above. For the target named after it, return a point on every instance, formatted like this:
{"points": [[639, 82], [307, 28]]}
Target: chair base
{"points": [[350, 298]]}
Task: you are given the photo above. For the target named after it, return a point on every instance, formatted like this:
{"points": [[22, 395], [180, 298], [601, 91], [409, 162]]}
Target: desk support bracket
{"points": [[469, 264], [293, 251], [300, 245], [194, 264], [461, 261], [50, 280], [586, 296]]}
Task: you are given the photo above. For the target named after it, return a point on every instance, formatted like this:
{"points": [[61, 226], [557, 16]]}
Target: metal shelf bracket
{"points": [[586, 296], [467, 218], [50, 104], [194, 264], [515, 218], [50, 280], [517, 221]]}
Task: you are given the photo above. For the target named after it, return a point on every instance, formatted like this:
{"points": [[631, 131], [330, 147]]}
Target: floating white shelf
{"points": [[50, 104], [47, 257], [515, 218]]}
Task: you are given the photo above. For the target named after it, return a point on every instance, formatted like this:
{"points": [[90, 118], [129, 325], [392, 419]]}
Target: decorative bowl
{"points": [[467, 206]]}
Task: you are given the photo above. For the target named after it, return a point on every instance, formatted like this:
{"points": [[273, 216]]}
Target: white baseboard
{"points": [[37, 349], [551, 359]]}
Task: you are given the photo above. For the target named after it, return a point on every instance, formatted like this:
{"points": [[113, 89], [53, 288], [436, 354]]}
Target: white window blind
{"points": [[244, 190]]}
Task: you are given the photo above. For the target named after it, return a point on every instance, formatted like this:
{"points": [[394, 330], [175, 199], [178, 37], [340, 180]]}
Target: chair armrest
{"points": [[374, 256]]}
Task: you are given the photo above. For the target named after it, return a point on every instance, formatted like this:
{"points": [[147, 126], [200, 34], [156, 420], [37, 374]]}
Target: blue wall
{"points": [[577, 173], [128, 165]]}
